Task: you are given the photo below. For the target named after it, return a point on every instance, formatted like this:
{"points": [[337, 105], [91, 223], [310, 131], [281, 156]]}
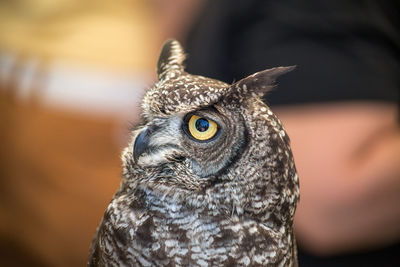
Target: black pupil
{"points": [[202, 125]]}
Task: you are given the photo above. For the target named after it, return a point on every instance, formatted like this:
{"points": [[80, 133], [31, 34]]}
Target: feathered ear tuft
{"points": [[171, 58], [260, 82]]}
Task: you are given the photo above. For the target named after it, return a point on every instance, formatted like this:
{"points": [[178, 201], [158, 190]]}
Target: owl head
{"points": [[211, 143]]}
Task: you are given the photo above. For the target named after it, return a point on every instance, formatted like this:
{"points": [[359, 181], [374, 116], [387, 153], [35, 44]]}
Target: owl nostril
{"points": [[141, 144]]}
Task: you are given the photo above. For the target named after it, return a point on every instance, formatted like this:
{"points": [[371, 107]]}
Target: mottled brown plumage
{"points": [[225, 201]]}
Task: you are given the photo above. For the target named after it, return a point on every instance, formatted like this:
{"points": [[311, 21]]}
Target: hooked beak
{"points": [[141, 143]]}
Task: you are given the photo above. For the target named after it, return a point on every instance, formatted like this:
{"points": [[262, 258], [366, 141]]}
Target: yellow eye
{"points": [[201, 128]]}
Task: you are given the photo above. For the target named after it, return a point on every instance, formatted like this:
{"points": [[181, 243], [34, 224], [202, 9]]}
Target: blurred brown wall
{"points": [[58, 171]]}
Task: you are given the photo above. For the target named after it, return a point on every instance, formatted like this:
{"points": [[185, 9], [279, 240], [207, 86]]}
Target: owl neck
{"points": [[234, 195]]}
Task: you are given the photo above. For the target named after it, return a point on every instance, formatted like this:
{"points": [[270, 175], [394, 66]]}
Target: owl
{"points": [[208, 178]]}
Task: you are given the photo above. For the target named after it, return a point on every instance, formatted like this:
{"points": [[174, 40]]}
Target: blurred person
{"points": [[340, 108]]}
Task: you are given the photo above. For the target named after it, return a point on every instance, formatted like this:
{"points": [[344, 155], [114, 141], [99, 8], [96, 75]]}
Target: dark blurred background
{"points": [[72, 74], [340, 107]]}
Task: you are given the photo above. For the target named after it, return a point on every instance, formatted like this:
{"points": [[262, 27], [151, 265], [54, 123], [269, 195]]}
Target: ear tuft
{"points": [[260, 82], [171, 58]]}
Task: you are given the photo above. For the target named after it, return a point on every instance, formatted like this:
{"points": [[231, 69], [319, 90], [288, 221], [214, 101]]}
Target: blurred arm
{"points": [[348, 159]]}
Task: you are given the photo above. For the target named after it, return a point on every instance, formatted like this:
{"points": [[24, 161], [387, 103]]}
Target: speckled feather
{"points": [[226, 202]]}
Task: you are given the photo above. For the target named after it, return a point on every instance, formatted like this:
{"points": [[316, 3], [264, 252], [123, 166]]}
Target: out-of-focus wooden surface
{"points": [[58, 171]]}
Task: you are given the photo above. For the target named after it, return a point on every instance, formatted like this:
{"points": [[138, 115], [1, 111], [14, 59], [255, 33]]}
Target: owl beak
{"points": [[141, 144]]}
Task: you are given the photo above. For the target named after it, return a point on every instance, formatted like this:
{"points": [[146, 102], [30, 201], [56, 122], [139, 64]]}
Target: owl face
{"points": [[205, 139], [212, 141]]}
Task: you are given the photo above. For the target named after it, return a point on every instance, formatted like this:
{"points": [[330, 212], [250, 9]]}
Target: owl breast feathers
{"points": [[208, 178]]}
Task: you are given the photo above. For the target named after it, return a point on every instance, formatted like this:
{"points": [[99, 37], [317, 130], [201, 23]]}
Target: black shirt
{"points": [[344, 50]]}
